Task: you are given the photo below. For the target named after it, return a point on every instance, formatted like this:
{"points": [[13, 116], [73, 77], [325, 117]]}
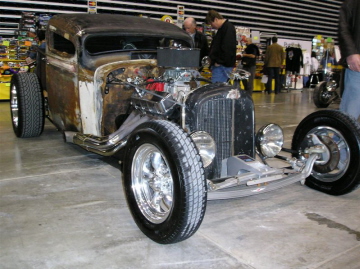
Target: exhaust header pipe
{"points": [[110, 144]]}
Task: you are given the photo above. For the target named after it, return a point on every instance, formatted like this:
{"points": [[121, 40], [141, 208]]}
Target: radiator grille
{"points": [[216, 118], [229, 121]]}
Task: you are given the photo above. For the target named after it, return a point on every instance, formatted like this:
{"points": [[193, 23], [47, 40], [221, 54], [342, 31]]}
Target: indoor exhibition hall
{"points": [[179, 134]]}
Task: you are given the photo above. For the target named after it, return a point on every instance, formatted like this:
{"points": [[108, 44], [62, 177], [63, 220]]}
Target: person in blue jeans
{"points": [[223, 47], [349, 41]]}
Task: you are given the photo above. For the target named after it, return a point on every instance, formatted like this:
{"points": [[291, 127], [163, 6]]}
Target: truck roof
{"points": [[83, 23]]}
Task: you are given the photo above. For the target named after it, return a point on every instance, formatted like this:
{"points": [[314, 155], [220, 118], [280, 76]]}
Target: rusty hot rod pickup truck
{"points": [[129, 87]]}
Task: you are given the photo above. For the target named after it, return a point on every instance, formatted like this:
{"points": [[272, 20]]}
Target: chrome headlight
{"points": [[206, 146], [269, 140]]}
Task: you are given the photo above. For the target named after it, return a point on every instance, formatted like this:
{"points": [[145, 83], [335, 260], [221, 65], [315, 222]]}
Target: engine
{"points": [[176, 72], [179, 82]]}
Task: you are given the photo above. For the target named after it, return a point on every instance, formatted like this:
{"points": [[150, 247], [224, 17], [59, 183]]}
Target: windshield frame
{"points": [[128, 43]]}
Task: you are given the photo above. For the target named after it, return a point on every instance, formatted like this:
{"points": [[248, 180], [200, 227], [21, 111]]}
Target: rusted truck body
{"points": [[129, 87]]}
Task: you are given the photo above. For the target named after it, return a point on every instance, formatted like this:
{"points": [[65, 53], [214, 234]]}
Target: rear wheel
{"points": [[26, 105], [337, 171], [164, 182]]}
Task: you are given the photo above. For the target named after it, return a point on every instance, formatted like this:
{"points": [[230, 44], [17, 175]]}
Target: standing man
{"points": [[223, 47], [199, 38], [274, 58], [249, 64], [349, 41]]}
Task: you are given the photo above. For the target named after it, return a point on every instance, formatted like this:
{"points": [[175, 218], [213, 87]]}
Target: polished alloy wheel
{"points": [[338, 156], [152, 183]]}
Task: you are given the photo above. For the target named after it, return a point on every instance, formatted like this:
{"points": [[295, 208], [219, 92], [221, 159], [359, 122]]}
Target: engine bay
{"points": [[178, 82]]}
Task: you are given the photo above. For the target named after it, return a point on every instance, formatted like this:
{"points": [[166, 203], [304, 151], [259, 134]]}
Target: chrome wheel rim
{"points": [[326, 94], [152, 183], [14, 106], [341, 147]]}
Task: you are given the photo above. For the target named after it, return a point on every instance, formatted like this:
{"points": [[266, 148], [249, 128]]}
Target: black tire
{"points": [[179, 185], [338, 172], [322, 97], [26, 105]]}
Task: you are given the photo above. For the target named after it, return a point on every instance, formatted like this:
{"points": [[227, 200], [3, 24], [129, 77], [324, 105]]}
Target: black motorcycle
{"points": [[329, 90]]}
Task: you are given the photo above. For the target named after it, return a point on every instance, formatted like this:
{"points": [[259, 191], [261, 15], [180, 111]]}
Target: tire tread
{"points": [[30, 105], [195, 205], [189, 167]]}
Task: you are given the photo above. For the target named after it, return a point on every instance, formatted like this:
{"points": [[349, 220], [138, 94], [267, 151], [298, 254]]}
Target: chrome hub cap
{"points": [[152, 183]]}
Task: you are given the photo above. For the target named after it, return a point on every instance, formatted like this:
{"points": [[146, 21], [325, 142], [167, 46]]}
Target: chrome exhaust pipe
{"points": [[110, 144], [104, 145]]}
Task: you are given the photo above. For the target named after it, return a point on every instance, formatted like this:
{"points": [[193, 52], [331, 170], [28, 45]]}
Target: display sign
{"points": [[180, 16], [255, 36], [304, 45], [92, 7], [241, 34]]}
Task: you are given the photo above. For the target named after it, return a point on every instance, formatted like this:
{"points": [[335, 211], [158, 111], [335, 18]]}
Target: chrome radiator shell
{"points": [[228, 115]]}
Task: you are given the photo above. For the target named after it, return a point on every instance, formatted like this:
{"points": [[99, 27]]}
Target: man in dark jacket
{"points": [[223, 47], [199, 38], [349, 41]]}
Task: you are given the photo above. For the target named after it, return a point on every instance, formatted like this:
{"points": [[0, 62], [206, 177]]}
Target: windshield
{"points": [[110, 43]]}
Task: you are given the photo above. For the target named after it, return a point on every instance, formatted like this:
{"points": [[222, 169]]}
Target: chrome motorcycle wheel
{"points": [[324, 94]]}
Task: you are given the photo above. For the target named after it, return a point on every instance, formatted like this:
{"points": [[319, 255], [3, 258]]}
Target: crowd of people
{"points": [[223, 55], [223, 49]]}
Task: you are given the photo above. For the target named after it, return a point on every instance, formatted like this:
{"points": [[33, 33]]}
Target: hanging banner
{"points": [[255, 36], [303, 44], [92, 7], [241, 34], [180, 15]]}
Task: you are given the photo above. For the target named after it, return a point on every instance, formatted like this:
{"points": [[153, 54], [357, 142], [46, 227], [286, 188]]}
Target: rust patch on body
{"points": [[117, 96]]}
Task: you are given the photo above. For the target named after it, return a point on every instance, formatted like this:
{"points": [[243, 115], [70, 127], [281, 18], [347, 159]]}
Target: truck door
{"points": [[62, 82]]}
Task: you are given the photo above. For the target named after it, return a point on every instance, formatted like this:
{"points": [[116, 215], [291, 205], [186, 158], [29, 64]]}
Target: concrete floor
{"points": [[62, 207]]}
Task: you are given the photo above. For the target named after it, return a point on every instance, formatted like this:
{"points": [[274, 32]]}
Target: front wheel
{"points": [[337, 171], [322, 96], [164, 182]]}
